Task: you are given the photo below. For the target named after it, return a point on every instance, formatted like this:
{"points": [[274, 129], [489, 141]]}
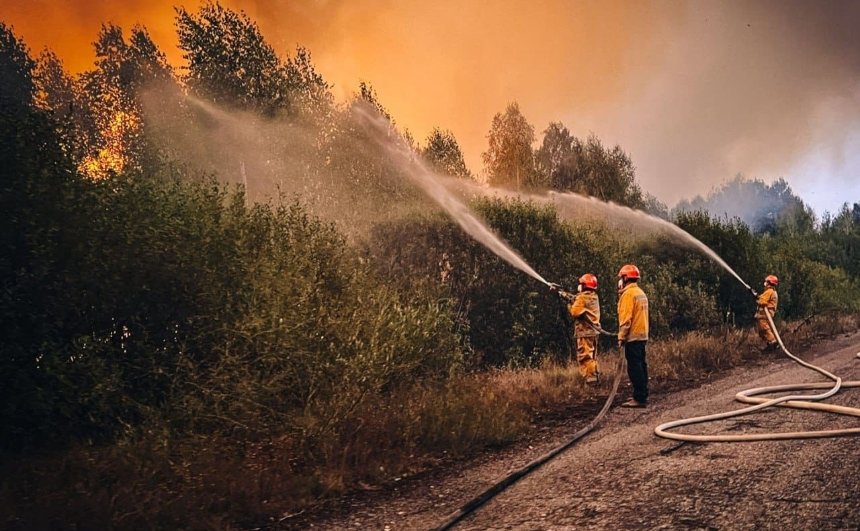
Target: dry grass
{"points": [[223, 483]]}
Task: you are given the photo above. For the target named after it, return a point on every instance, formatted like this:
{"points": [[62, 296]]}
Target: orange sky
{"points": [[443, 63], [695, 91]]}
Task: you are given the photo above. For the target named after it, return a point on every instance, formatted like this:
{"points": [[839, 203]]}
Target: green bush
{"points": [[168, 298], [512, 318]]}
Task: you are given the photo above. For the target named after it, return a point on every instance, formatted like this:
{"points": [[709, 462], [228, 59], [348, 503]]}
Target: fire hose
{"points": [[798, 401], [749, 396], [514, 476]]}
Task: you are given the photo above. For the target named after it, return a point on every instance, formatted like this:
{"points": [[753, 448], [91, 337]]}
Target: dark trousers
{"points": [[637, 369]]}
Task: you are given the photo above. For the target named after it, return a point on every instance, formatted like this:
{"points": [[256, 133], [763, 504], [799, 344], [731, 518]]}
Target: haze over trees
{"points": [[173, 326], [764, 207]]}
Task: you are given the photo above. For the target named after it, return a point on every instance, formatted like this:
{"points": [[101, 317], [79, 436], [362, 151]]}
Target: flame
{"points": [[112, 156]]}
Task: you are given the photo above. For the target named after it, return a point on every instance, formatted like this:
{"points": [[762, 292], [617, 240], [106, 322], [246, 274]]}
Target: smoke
{"points": [[766, 89], [696, 92]]}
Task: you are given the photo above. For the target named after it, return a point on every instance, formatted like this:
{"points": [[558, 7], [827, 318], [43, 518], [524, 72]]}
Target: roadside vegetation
{"points": [[180, 349]]}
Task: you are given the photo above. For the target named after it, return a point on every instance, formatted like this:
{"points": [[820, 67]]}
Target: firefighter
{"points": [[767, 300], [585, 310], [584, 307], [633, 332]]}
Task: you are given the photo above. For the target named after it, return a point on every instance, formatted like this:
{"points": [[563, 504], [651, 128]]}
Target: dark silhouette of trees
{"points": [[229, 61], [566, 163], [443, 153]]}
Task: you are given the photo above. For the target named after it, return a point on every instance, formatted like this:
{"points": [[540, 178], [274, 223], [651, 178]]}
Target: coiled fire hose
{"points": [[497, 487], [799, 401]]}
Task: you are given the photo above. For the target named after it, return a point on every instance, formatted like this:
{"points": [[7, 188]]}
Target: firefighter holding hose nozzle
{"points": [[767, 301], [584, 308], [633, 332]]}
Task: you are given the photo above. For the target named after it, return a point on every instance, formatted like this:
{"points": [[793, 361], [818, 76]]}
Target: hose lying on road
{"points": [[518, 474], [799, 401]]}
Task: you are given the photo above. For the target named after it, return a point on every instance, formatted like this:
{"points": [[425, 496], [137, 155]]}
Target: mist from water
{"points": [[270, 154], [325, 161], [569, 199], [416, 169], [572, 206]]}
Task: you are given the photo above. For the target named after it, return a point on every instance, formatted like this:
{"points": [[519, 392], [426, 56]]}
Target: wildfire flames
{"points": [[111, 157]]}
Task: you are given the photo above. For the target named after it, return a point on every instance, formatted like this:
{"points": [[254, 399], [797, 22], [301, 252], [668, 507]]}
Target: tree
{"points": [[556, 160], [229, 61], [367, 94], [443, 153], [16, 73], [111, 95], [654, 206], [310, 92], [608, 174], [59, 95], [509, 159], [566, 163], [148, 64]]}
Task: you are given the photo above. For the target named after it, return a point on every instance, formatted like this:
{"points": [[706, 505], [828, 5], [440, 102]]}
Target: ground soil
{"points": [[624, 477]]}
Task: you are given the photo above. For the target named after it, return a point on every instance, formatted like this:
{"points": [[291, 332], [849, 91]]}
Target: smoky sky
{"points": [[696, 92]]}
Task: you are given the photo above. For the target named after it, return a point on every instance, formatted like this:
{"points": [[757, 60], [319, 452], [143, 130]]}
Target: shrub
{"points": [[512, 318]]}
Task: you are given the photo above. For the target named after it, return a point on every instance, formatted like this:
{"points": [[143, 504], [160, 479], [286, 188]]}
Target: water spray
{"points": [[437, 188], [433, 186], [416, 169]]}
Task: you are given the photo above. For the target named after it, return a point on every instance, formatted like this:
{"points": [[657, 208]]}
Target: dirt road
{"points": [[623, 477]]}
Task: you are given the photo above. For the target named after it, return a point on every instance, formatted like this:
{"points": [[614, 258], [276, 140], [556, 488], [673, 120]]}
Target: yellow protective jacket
{"points": [[768, 299], [632, 314], [585, 310]]}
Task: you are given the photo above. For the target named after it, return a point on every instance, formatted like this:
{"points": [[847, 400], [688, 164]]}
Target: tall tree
{"points": [[556, 160], [367, 94], [58, 94], [566, 163], [509, 159], [443, 153], [607, 173], [229, 61], [16, 73], [310, 92]]}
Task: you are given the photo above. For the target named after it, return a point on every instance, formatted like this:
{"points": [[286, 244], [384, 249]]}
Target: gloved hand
{"points": [[553, 287], [620, 343], [754, 293]]}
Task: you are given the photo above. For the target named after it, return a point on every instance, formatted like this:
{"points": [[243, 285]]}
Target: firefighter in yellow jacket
{"points": [[767, 300], [585, 310], [633, 332], [584, 307]]}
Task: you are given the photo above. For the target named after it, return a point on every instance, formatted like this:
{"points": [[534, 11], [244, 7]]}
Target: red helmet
{"points": [[772, 280], [588, 281], [629, 271]]}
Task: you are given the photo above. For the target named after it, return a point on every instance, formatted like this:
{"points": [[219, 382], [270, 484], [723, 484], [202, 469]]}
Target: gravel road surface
{"points": [[623, 477]]}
